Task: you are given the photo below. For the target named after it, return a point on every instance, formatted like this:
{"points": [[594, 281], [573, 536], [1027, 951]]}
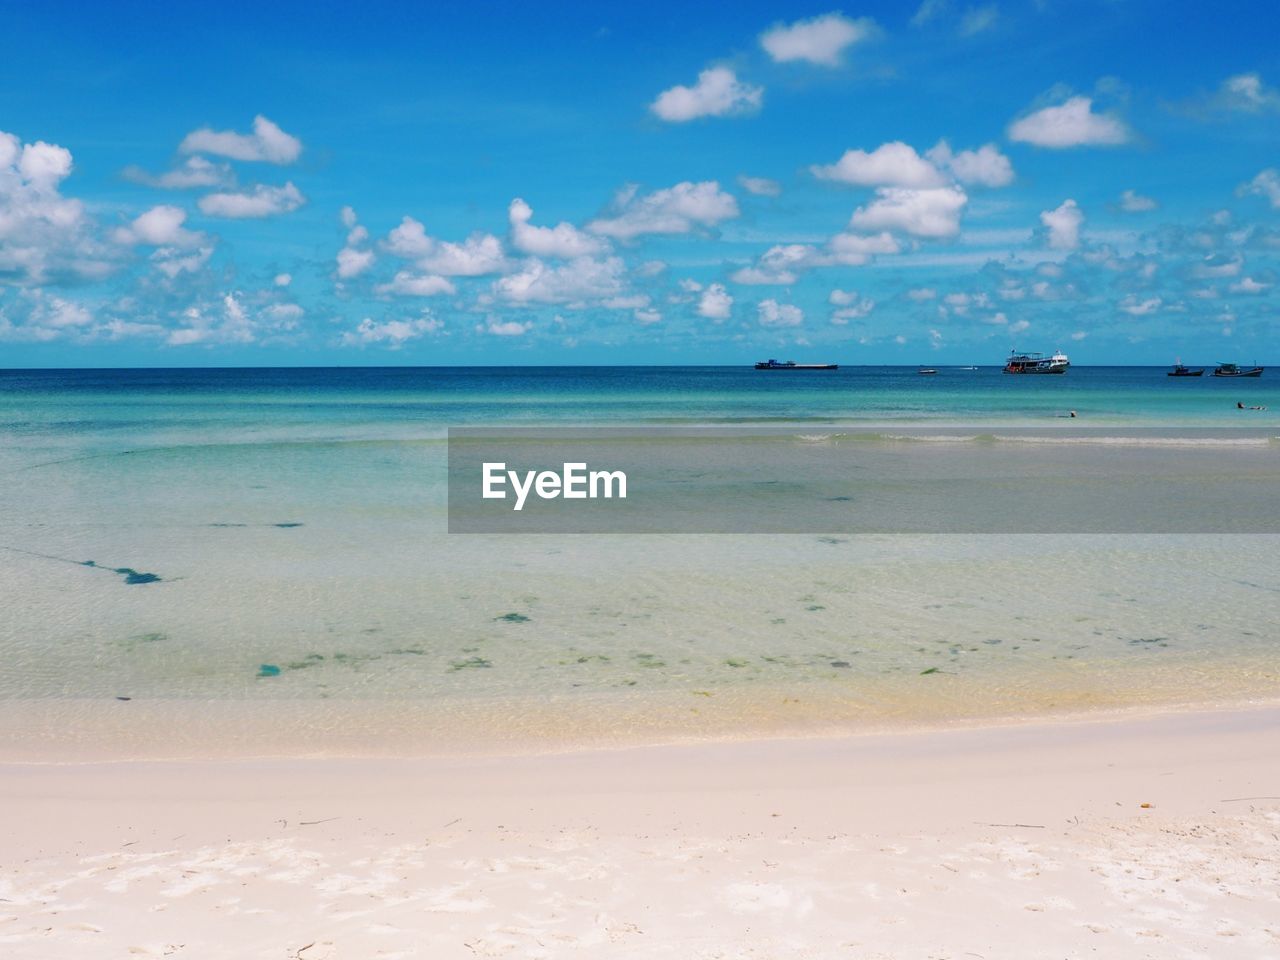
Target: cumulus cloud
{"points": [[172, 261], [505, 328], [1070, 124], [160, 226], [1265, 184], [922, 213], [819, 40], [408, 284], [230, 324], [42, 233], [195, 172], [260, 201], [718, 93], [1249, 285], [893, 164], [771, 313], [1140, 308], [678, 209], [1133, 202], [986, 166], [1063, 225], [355, 257], [783, 263], [760, 186], [391, 333], [850, 306], [563, 241], [268, 143], [577, 282], [716, 303]]}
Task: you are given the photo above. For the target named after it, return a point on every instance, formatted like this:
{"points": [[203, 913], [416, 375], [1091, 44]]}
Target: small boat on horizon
{"points": [[1036, 363], [926, 371], [1179, 370], [1232, 370], [772, 364]]}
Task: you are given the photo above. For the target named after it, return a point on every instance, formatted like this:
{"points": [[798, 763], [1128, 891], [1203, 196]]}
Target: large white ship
{"points": [[1036, 363]]}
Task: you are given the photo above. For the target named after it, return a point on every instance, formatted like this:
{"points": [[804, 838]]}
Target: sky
{"points": [[588, 183]]}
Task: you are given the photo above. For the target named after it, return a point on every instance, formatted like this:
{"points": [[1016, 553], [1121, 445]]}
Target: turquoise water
{"points": [[261, 554]]}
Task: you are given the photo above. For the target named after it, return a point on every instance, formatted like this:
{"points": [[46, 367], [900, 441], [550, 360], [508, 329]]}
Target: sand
{"points": [[1155, 836]]}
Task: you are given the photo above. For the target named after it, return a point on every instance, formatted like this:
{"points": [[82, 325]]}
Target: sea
{"points": [[257, 562]]}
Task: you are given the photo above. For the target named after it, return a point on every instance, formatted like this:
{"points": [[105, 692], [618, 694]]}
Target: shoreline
{"points": [[19, 748], [1136, 837]]}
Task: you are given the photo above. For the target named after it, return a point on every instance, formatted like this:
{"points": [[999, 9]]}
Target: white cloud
{"points": [[1140, 308], [267, 143], [922, 293], [353, 262], [354, 258], [409, 240], [978, 19], [1249, 285], [677, 209], [854, 249], [159, 226], [172, 261], [1265, 184], [578, 281], [231, 325], [893, 164], [1215, 266], [928, 11], [408, 284], [922, 213], [716, 303], [507, 328], [718, 93], [782, 264], [851, 306], [819, 40], [1070, 124], [283, 279], [393, 333], [1245, 92], [1132, 202], [773, 314], [760, 186], [564, 240], [1063, 224], [479, 254], [778, 264], [196, 172], [43, 233], [261, 201], [986, 166]]}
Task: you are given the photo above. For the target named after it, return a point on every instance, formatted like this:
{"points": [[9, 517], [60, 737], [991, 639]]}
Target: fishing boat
{"points": [[1036, 363], [772, 364], [1232, 370], [1183, 371]]}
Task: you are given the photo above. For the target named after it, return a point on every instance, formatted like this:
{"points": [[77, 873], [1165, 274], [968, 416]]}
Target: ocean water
{"points": [[257, 561]]}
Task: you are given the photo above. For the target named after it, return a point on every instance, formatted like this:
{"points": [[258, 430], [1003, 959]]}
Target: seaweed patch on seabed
{"points": [[131, 576]]}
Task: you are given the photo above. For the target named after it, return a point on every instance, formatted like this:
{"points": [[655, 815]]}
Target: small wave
{"points": [[1147, 441]]}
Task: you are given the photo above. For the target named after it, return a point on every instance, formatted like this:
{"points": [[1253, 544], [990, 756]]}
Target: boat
{"points": [[1232, 370], [1179, 370], [772, 364], [926, 371], [1036, 363]]}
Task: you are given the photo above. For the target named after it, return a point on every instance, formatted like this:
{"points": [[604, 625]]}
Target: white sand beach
{"points": [[1131, 837]]}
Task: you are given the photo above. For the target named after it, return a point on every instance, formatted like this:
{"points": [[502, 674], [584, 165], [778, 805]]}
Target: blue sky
{"points": [[515, 183]]}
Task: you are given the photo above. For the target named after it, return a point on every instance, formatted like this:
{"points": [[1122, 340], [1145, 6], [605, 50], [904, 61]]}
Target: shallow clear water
{"points": [[294, 521]]}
